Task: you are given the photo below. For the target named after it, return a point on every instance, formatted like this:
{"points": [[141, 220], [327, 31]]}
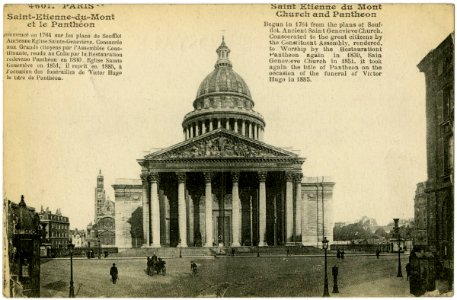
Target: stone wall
{"points": [[313, 206], [128, 196]]}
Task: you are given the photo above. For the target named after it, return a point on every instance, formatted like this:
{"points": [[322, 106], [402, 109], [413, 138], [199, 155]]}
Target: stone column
{"points": [[208, 210], [155, 209], [262, 209], [289, 208], [261, 134], [250, 130], [144, 180], [255, 136], [218, 123], [235, 128], [182, 209], [243, 128], [227, 125], [211, 125], [190, 219], [298, 207], [203, 126], [235, 210], [194, 126]]}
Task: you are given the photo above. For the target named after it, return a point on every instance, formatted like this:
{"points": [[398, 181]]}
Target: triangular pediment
{"points": [[220, 143]]}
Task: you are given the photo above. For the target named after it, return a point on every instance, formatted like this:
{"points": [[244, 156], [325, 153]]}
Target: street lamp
{"points": [[99, 249], [325, 246], [397, 234], [180, 254], [72, 288]]}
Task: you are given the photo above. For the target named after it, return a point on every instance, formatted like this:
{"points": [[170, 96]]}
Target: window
{"points": [[448, 154], [448, 103]]}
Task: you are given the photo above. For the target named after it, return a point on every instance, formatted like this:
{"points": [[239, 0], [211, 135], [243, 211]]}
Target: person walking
{"points": [[408, 271], [377, 253], [114, 273], [338, 253], [193, 267]]}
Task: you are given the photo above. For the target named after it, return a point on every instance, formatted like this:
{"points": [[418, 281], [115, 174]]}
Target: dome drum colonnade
{"points": [[223, 184]]}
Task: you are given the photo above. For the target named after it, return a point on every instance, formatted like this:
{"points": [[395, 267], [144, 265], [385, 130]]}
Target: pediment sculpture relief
{"points": [[220, 146]]}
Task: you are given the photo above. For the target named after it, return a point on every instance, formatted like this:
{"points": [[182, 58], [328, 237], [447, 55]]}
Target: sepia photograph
{"points": [[228, 150]]}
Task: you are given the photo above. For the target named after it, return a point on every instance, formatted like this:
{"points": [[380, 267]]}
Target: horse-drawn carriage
{"points": [[157, 266]]}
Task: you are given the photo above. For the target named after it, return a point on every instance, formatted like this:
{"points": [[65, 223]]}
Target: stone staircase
{"points": [[175, 252]]}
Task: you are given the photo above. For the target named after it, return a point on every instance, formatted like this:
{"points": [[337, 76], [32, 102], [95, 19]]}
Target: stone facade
{"points": [[129, 199], [103, 229], [223, 185], [438, 68], [57, 228], [317, 193]]}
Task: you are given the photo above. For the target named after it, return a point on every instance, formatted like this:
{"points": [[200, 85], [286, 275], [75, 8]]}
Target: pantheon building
{"points": [[223, 185]]}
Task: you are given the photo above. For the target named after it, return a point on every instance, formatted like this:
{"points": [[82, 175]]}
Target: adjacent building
{"points": [[78, 238], [223, 185], [57, 231], [102, 230], [434, 201]]}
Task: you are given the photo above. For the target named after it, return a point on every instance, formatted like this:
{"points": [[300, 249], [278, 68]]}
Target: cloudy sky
{"points": [[368, 134]]}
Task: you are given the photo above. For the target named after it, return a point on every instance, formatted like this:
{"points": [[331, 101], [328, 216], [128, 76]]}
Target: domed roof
{"points": [[223, 79]]}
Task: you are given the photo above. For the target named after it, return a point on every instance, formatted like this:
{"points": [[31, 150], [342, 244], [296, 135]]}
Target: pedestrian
{"points": [[408, 271], [377, 253], [288, 251], [342, 254], [193, 267], [233, 251], [338, 254], [114, 273]]}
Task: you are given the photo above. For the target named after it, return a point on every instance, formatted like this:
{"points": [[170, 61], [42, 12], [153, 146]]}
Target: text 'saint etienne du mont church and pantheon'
{"points": [[223, 185]]}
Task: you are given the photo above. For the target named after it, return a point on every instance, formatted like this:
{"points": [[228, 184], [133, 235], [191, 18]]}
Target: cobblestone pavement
{"points": [[227, 277]]}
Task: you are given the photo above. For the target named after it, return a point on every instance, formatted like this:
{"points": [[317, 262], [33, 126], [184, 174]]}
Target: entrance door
{"points": [[223, 230]]}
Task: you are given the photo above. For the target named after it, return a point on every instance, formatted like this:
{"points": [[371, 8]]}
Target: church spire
{"points": [[223, 53]]}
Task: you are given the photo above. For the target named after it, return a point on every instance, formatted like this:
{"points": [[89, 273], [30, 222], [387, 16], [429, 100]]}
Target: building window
{"points": [[448, 103], [448, 154]]}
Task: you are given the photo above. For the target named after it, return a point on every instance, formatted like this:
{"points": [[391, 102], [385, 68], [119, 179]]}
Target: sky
{"points": [[368, 134]]}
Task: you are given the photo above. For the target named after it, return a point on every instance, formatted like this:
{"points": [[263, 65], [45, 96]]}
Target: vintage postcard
{"points": [[228, 150]]}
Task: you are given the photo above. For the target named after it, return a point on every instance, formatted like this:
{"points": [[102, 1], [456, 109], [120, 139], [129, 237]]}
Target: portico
{"points": [[235, 194]]}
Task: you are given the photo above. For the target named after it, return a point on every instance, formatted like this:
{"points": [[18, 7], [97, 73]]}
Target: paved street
{"points": [[226, 277]]}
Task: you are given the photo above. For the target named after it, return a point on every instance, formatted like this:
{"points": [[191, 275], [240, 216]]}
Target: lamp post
{"points": [[397, 234], [180, 254], [325, 246], [72, 288], [99, 249]]}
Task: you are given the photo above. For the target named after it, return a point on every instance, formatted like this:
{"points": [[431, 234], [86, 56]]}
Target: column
{"points": [[298, 207], [250, 130], [262, 209], [243, 127], [261, 134], [182, 218], [208, 210], [227, 125], [235, 128], [190, 219], [195, 129], [155, 209], [289, 208], [235, 210], [144, 180], [211, 125], [203, 126], [218, 123]]}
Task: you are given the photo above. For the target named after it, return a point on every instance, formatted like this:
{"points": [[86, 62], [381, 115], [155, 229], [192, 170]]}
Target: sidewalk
{"points": [[383, 287]]}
